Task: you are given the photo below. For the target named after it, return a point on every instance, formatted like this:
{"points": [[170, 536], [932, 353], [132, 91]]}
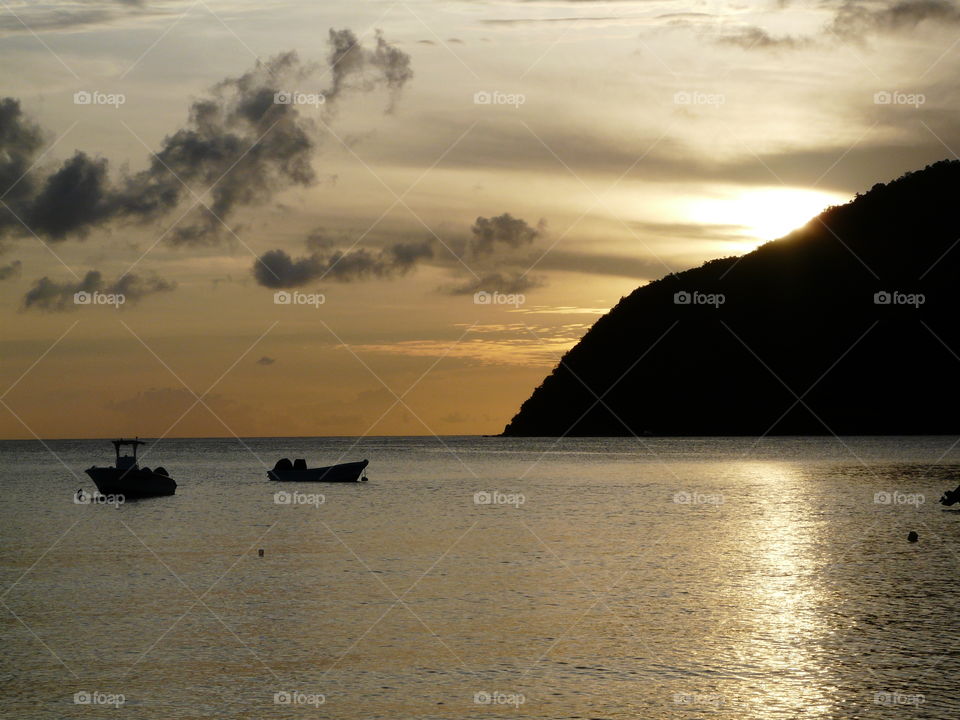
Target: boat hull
{"points": [[131, 483], [345, 472]]}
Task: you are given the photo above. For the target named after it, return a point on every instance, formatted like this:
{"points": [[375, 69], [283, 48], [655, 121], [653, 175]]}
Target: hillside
{"points": [[800, 318]]}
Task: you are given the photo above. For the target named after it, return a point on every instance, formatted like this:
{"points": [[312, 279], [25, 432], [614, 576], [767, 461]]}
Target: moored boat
{"points": [[127, 478], [950, 497], [297, 471]]}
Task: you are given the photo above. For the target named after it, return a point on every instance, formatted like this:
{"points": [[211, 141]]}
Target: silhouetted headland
{"points": [[849, 325]]}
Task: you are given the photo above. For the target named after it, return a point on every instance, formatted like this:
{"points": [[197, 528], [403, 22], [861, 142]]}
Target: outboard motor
{"points": [[299, 464]]}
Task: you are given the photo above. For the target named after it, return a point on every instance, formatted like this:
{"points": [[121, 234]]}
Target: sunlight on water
{"points": [[788, 587], [509, 578]]}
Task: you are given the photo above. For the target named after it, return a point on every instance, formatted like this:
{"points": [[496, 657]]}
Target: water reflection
{"points": [[783, 591], [699, 585]]}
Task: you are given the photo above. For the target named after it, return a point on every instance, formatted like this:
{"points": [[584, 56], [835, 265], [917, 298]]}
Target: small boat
{"points": [[950, 497], [297, 471], [127, 478]]}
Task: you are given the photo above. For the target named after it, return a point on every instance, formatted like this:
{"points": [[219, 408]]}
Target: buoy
{"points": [[260, 552], [913, 537]]}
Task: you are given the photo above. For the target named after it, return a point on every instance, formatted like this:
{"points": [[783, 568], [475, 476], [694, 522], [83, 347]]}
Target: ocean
{"points": [[484, 578]]}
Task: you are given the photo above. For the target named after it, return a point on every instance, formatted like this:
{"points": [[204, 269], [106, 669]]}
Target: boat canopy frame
{"points": [[117, 444]]}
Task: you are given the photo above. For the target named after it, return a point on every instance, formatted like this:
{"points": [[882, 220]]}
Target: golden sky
{"points": [[551, 154]]}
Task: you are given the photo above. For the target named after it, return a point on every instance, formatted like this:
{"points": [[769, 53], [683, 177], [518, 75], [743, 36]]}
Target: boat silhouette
{"points": [[950, 497], [127, 478], [297, 471]]}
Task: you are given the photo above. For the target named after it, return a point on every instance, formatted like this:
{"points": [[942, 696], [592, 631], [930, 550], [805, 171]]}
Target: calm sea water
{"points": [[486, 577]]}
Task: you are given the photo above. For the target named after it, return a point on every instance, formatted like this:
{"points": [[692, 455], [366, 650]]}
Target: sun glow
{"points": [[766, 214]]}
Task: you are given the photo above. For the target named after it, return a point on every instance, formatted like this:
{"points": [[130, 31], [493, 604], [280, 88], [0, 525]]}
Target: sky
{"points": [[232, 218]]}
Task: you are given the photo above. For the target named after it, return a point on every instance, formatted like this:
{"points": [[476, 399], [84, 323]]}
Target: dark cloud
{"points": [[752, 37], [353, 66], [73, 199], [505, 282], [494, 258], [53, 296], [852, 21], [276, 269], [855, 19], [504, 229], [20, 141], [10, 270], [266, 360], [240, 143]]}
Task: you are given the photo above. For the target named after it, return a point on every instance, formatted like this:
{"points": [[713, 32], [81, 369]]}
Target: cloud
{"points": [[752, 37], [505, 282], [489, 254], [238, 140], [637, 268], [576, 19], [265, 360], [519, 345], [855, 19], [73, 199], [20, 141], [505, 229], [30, 16], [53, 296], [276, 269], [10, 270], [353, 66], [852, 21], [793, 162], [494, 257]]}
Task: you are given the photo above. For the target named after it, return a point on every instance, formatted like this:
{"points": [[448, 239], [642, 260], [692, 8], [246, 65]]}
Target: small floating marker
{"points": [[260, 552], [912, 537]]}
